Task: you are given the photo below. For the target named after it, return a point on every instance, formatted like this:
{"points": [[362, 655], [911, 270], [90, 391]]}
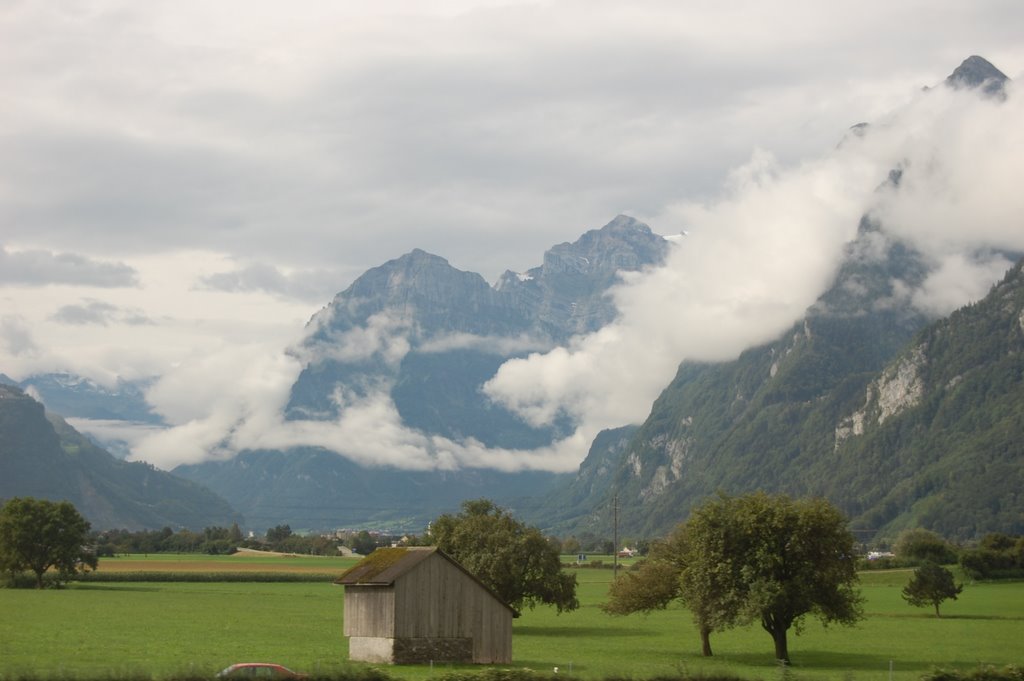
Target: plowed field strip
{"points": [[122, 565]]}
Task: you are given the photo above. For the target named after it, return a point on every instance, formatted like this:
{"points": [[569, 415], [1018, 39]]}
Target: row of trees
{"points": [[995, 556], [214, 540]]}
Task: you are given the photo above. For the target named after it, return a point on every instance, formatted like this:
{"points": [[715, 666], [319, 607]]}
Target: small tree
{"points": [[37, 535], [652, 586], [364, 543], [571, 545], [516, 561], [930, 585]]}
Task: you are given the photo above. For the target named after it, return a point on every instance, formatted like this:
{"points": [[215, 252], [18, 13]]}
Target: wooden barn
{"points": [[416, 604]]}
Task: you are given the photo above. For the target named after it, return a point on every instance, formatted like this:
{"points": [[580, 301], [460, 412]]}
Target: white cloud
{"points": [[385, 336], [959, 279], [750, 265], [39, 268], [310, 285], [956, 199], [16, 336], [498, 345], [90, 311]]}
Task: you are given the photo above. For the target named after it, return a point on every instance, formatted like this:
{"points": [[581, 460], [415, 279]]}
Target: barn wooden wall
{"points": [[434, 599], [369, 611]]}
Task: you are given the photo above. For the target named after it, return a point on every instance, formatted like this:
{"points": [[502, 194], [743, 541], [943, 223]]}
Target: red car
{"points": [[258, 670]]}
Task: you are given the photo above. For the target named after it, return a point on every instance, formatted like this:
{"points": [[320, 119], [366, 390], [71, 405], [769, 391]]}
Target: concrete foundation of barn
{"points": [[411, 650]]}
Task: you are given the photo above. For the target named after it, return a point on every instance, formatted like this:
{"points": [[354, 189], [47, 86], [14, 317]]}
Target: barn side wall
{"points": [[438, 600], [369, 612]]}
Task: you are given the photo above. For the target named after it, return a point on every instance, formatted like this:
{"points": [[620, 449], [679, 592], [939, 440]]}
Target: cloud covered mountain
{"points": [[428, 337], [409, 345], [898, 426]]}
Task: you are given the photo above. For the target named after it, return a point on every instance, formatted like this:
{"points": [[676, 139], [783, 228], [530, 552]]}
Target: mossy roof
{"points": [[385, 565]]}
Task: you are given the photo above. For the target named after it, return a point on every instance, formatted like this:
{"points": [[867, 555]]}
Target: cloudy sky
{"points": [[184, 184]]}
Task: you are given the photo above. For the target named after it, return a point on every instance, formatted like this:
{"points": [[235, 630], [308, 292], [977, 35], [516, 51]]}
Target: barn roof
{"points": [[384, 565]]}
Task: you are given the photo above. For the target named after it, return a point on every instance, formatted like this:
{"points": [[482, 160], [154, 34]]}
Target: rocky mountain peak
{"points": [[424, 289], [566, 294], [623, 244], [977, 72]]}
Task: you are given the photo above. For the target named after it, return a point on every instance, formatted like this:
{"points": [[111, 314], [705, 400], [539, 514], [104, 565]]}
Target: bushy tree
{"points": [[36, 535], [917, 546], [651, 586], [364, 543], [930, 585], [516, 561], [760, 558]]}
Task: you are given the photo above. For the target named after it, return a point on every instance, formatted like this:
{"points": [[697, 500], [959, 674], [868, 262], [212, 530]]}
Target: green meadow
{"points": [[168, 629]]}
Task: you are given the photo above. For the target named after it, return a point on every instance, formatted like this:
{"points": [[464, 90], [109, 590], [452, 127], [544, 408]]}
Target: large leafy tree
{"points": [[801, 561], [516, 561], [769, 559], [930, 585], [37, 535]]}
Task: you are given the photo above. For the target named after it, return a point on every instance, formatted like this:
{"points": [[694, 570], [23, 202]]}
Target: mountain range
{"points": [[901, 419]]}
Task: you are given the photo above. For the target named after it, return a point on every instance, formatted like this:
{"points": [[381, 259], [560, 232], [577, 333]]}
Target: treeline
{"points": [[994, 556], [224, 541], [998, 556], [212, 540]]}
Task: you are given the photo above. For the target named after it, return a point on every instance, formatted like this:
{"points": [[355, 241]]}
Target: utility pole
{"points": [[615, 536]]}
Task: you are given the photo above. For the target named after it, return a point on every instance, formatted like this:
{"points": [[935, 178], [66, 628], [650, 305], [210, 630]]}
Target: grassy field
{"points": [[167, 629]]}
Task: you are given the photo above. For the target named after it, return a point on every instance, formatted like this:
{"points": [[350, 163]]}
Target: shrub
{"points": [[1010, 673]]}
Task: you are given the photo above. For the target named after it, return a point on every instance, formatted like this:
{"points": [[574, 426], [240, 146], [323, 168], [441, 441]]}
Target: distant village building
{"points": [[409, 605]]}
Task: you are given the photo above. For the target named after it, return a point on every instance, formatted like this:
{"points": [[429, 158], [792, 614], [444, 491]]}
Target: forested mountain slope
{"points": [[933, 437], [42, 456]]}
